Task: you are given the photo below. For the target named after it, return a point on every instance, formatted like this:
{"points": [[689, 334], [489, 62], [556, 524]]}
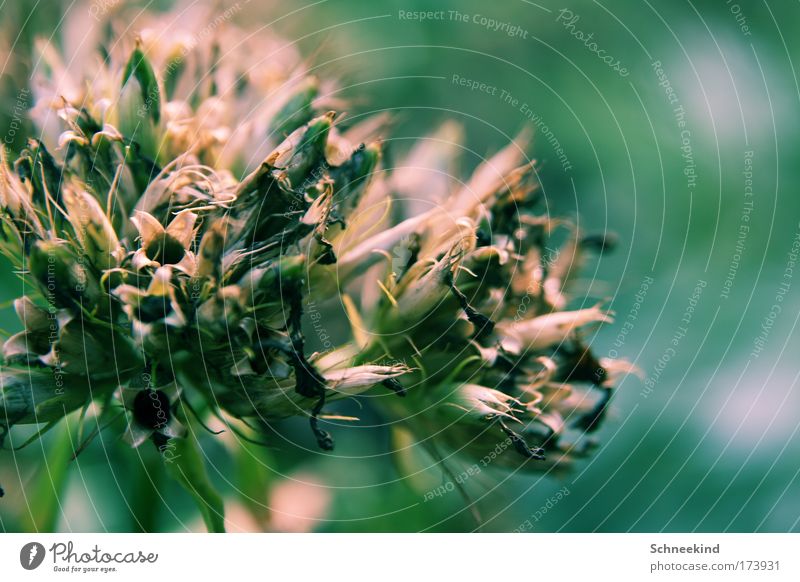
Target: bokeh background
{"points": [[687, 150]]}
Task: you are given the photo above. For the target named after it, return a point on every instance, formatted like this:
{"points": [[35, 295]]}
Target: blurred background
{"points": [[673, 124]]}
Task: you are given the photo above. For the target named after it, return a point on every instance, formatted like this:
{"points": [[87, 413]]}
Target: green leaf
{"points": [[145, 498], [47, 488], [184, 463], [411, 460], [254, 478], [38, 396], [173, 71], [139, 67], [139, 107]]}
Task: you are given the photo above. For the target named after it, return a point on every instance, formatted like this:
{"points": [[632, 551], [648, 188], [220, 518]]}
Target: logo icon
{"points": [[31, 555]]}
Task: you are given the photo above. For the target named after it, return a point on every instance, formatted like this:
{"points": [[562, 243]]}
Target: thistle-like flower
{"points": [[186, 211]]}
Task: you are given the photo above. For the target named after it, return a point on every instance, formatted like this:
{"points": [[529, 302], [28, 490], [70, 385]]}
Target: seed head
{"points": [[182, 222]]}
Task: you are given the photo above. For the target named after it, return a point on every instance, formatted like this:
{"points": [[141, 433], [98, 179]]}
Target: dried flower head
{"points": [[181, 212]]}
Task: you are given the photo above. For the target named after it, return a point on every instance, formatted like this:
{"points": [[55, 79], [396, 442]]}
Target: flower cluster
{"points": [[187, 200]]}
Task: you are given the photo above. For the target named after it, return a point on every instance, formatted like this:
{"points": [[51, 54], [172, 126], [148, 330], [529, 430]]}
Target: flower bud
{"points": [[303, 150], [547, 330], [221, 313], [265, 283], [93, 229], [297, 109], [40, 330], [350, 179], [139, 107], [62, 275]]}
